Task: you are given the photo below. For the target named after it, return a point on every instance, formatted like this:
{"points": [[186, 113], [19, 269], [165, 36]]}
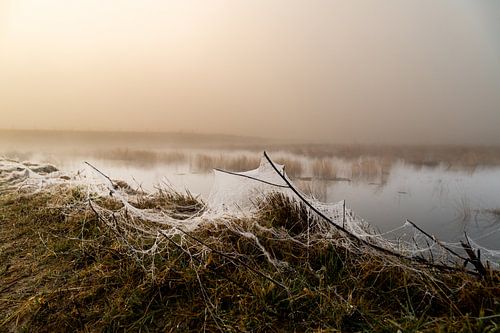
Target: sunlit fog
{"points": [[305, 71]]}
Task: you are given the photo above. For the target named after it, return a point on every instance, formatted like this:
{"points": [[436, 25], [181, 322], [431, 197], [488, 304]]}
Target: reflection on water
{"points": [[445, 203], [442, 191]]}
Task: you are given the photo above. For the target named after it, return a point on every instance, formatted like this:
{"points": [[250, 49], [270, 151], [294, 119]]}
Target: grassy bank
{"points": [[63, 269]]}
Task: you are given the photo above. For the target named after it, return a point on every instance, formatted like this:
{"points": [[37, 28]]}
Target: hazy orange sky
{"points": [[352, 71]]}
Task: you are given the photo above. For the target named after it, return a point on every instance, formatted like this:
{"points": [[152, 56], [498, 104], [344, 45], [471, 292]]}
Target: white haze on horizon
{"points": [[420, 71]]}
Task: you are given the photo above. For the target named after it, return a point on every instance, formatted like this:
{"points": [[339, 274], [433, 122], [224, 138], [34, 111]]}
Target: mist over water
{"points": [[317, 71]]}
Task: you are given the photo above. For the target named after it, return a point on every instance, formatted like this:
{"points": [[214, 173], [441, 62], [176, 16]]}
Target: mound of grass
{"points": [[62, 269]]}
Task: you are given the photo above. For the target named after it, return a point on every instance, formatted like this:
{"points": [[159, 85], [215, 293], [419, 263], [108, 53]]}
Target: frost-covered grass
{"points": [[63, 269]]}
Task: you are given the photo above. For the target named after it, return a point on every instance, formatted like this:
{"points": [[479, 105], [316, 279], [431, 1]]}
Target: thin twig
{"points": [[436, 240], [102, 174], [250, 177]]}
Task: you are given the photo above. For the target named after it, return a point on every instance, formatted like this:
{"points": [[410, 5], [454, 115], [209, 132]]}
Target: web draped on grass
{"points": [[148, 223]]}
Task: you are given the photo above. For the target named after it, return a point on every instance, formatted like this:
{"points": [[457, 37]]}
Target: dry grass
{"points": [[62, 269], [176, 204]]}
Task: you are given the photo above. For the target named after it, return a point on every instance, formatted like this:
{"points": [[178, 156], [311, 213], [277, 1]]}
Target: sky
{"points": [[371, 71]]}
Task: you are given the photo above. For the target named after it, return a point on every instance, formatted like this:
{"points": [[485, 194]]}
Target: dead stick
{"points": [[474, 260], [102, 174]]}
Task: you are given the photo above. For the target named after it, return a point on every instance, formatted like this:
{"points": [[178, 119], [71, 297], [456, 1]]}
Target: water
{"points": [[444, 199], [444, 203]]}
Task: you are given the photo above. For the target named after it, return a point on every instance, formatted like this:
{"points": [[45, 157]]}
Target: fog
{"points": [[420, 71]]}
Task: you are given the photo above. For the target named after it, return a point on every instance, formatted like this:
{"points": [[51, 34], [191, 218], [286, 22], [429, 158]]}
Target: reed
{"points": [[324, 169], [293, 167], [206, 163], [142, 157], [366, 170], [314, 188]]}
